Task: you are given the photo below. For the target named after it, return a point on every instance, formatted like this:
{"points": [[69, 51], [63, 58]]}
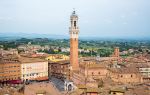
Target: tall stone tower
{"points": [[73, 31]]}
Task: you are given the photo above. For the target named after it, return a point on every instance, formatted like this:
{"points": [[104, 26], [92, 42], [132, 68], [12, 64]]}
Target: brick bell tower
{"points": [[73, 31]]}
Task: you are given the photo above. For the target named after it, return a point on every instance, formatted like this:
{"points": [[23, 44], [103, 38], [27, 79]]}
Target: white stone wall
{"points": [[145, 71], [34, 70]]}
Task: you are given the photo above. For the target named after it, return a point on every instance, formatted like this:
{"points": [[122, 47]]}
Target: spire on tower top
{"points": [[74, 12]]}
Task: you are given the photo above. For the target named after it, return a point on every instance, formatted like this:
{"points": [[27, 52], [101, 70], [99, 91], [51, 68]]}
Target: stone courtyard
{"points": [[45, 88]]}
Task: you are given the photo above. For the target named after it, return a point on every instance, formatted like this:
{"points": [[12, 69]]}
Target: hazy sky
{"points": [[103, 18]]}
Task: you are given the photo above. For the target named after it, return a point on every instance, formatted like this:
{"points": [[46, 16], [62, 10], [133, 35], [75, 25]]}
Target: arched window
{"points": [[74, 23], [69, 87], [121, 76], [92, 73]]}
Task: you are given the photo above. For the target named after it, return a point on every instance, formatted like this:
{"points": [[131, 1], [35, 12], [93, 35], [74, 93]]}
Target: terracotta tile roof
{"points": [[30, 60], [124, 70], [60, 62], [93, 63], [138, 65], [64, 62], [9, 59]]}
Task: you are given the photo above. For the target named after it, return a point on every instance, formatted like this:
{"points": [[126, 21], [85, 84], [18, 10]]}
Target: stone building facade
{"points": [[33, 69], [59, 69], [126, 75], [10, 69]]}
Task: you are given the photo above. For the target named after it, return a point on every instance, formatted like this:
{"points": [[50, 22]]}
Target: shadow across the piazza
{"points": [[58, 83]]}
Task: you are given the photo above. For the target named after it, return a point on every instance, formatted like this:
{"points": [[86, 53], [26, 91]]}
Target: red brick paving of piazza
{"points": [[33, 88]]}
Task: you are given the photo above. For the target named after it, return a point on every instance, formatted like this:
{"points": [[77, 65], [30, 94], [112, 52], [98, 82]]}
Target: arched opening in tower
{"points": [[74, 23]]}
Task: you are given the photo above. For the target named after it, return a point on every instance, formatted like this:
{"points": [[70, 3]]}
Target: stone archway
{"points": [[68, 86]]}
